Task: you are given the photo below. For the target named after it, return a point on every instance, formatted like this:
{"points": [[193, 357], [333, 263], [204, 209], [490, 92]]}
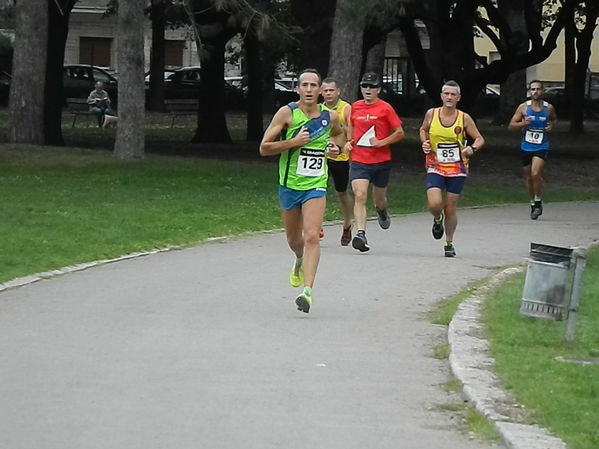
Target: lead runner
{"points": [[302, 133]]}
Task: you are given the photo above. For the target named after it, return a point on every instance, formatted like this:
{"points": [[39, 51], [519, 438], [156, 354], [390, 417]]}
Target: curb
{"points": [[473, 367]]}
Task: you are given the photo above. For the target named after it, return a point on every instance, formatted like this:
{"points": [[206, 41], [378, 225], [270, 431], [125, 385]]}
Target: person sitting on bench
{"points": [[99, 103]]}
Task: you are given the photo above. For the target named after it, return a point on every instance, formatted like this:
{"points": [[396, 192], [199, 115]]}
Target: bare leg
{"points": [[434, 197], [347, 205], [360, 189], [313, 214], [379, 195], [292, 220], [451, 215], [528, 182], [536, 177]]}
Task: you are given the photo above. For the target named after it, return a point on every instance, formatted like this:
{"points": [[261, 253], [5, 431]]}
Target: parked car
{"points": [[168, 74], [239, 82], [556, 95], [289, 83], [284, 94], [79, 80], [185, 83]]}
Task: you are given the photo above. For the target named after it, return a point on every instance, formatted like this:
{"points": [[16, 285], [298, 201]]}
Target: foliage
{"points": [[7, 9], [452, 56]]}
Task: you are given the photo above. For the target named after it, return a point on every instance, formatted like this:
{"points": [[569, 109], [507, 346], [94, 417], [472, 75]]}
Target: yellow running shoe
{"points": [[303, 302], [296, 279]]}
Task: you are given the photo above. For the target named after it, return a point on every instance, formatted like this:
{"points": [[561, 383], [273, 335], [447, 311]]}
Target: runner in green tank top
{"points": [[302, 133]]}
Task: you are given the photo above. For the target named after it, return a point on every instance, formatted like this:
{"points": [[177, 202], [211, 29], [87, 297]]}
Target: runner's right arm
{"points": [[271, 144], [518, 120], [424, 129]]}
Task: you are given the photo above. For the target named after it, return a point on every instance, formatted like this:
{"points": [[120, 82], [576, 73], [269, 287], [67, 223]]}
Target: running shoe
{"points": [[449, 250], [296, 277], [303, 302], [360, 243], [321, 234], [438, 227], [346, 236], [384, 219], [536, 210]]}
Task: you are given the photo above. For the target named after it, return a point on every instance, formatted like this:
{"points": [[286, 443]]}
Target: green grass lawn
{"points": [[561, 396], [63, 206]]}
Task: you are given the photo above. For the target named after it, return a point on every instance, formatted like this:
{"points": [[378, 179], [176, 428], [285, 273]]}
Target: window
{"points": [[173, 53], [95, 51]]}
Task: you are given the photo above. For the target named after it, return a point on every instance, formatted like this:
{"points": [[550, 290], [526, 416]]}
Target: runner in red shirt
{"points": [[374, 126]]}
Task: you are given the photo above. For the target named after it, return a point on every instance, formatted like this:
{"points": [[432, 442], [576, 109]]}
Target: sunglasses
{"points": [[368, 86]]}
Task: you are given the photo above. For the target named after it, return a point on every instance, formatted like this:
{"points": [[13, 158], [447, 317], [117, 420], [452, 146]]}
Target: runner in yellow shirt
{"points": [[339, 165]]}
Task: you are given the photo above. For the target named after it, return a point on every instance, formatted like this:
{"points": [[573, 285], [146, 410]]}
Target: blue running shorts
{"points": [[289, 198], [452, 184]]}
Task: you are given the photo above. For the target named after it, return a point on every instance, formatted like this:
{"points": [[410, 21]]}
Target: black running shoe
{"points": [[449, 250], [536, 210], [438, 227], [384, 219], [360, 243]]}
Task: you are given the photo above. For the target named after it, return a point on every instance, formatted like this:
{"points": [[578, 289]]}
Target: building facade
{"points": [[93, 37]]}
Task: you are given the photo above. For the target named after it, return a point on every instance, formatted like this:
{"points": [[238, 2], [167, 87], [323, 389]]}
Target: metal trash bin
{"points": [[546, 281]]}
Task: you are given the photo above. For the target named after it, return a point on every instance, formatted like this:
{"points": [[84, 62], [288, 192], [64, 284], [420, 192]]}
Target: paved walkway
{"points": [[203, 347]]}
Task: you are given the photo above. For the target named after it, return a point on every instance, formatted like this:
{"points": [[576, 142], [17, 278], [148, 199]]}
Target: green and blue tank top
{"points": [[305, 168]]}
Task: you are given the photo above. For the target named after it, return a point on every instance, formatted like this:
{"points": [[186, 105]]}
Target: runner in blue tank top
{"points": [[534, 119]]}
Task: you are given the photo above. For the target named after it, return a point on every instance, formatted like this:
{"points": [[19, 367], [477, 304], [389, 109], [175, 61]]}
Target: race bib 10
{"points": [[534, 136]]}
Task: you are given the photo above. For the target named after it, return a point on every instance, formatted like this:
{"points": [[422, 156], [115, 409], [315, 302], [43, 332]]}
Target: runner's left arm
{"points": [[474, 134], [396, 135], [337, 135], [396, 130], [552, 119]]}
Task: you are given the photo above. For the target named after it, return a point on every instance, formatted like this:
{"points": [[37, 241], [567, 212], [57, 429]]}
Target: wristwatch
{"points": [[474, 149]]}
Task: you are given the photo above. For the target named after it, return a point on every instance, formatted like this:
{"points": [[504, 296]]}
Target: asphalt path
{"points": [[204, 348]]}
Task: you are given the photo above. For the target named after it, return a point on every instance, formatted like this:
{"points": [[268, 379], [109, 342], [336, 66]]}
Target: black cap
{"points": [[371, 78]]}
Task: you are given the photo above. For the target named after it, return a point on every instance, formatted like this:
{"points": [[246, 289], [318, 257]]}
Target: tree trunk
{"points": [[513, 92], [583, 48], [215, 26], [255, 127], [29, 72], [346, 47], [375, 57], [58, 21], [129, 144], [316, 36], [157, 57], [212, 122], [569, 65], [513, 89]]}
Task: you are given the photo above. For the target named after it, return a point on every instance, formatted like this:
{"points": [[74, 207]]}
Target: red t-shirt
{"points": [[378, 118]]}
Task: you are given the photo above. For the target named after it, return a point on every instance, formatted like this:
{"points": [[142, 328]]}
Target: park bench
{"points": [[78, 107], [178, 107]]}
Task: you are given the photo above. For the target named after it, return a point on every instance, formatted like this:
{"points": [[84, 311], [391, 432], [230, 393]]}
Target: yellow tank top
{"points": [[339, 108], [447, 143]]}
